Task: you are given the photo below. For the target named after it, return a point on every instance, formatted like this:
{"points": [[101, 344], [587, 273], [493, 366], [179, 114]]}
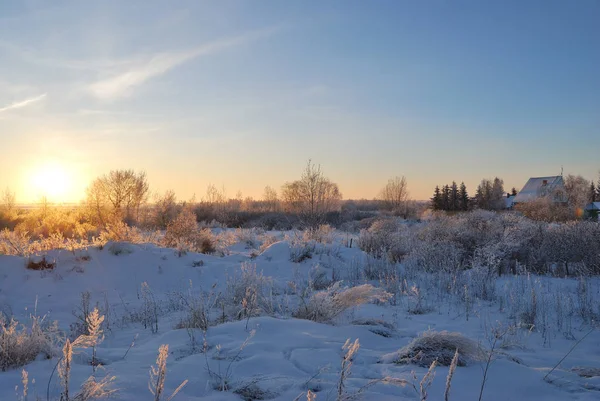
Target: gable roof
{"points": [[537, 187], [593, 206]]}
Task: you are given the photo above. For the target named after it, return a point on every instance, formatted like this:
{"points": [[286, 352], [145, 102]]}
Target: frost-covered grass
{"points": [[251, 320]]}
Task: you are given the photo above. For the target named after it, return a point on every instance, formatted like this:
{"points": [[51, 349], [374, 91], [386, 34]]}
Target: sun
{"points": [[53, 181]]}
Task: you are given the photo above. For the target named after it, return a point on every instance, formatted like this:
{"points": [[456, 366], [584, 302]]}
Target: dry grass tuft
{"points": [[437, 346], [325, 306]]}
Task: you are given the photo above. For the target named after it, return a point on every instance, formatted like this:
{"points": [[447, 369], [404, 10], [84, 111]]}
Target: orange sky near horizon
{"points": [[65, 182]]}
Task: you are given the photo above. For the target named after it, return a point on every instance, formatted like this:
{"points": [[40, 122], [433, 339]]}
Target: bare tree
{"points": [[120, 193], [395, 194], [311, 197], [577, 189], [270, 199], [165, 208], [215, 196], [217, 201], [8, 201]]}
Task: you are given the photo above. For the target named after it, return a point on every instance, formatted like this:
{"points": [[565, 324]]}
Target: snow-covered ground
{"points": [[279, 357]]}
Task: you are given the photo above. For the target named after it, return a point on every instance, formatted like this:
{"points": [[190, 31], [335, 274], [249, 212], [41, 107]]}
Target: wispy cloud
{"points": [[23, 103], [123, 82]]}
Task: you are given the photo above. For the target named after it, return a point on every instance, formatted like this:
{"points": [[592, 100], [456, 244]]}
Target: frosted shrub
{"points": [[223, 240], [249, 292], [184, 235], [415, 300], [20, 345], [385, 239], [119, 248], [433, 257], [573, 245], [585, 298], [322, 234], [12, 243], [121, 232], [248, 236], [318, 278], [198, 310], [267, 241], [300, 250], [378, 269], [439, 346], [481, 282], [325, 306]]}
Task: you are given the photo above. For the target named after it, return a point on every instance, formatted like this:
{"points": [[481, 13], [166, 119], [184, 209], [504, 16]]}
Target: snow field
{"points": [[261, 350]]}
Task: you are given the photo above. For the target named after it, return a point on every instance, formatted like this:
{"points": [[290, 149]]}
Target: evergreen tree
{"points": [[436, 200], [446, 198], [513, 192], [454, 199], [463, 197], [497, 195], [598, 190], [480, 197], [593, 193]]}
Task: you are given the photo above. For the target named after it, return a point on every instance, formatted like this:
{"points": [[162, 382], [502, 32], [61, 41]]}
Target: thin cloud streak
{"points": [[159, 64], [23, 103]]}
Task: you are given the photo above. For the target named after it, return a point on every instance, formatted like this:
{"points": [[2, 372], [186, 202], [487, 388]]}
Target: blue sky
{"points": [[242, 93]]}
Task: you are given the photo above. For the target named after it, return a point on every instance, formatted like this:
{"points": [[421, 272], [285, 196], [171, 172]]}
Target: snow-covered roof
{"points": [[593, 206], [538, 187]]}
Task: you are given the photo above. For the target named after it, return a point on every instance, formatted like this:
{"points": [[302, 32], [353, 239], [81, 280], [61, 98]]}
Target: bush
{"points": [[434, 257], [183, 234], [119, 248], [386, 238], [20, 345], [437, 346], [12, 243], [301, 250], [249, 292]]}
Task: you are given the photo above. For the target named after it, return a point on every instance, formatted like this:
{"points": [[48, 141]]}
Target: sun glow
{"points": [[53, 181]]}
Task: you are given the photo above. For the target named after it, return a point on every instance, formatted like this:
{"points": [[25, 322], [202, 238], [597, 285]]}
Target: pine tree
{"points": [[446, 198], [463, 197], [479, 197], [598, 190], [454, 199], [513, 192], [436, 200], [593, 194]]}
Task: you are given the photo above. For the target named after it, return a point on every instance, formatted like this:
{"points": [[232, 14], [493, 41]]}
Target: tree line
{"points": [[490, 195]]}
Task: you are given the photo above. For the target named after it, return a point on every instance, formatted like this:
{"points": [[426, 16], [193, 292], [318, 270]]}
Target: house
{"points": [[541, 187], [509, 201], [592, 211]]}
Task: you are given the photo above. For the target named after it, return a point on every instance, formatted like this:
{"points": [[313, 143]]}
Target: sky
{"points": [[241, 94]]}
